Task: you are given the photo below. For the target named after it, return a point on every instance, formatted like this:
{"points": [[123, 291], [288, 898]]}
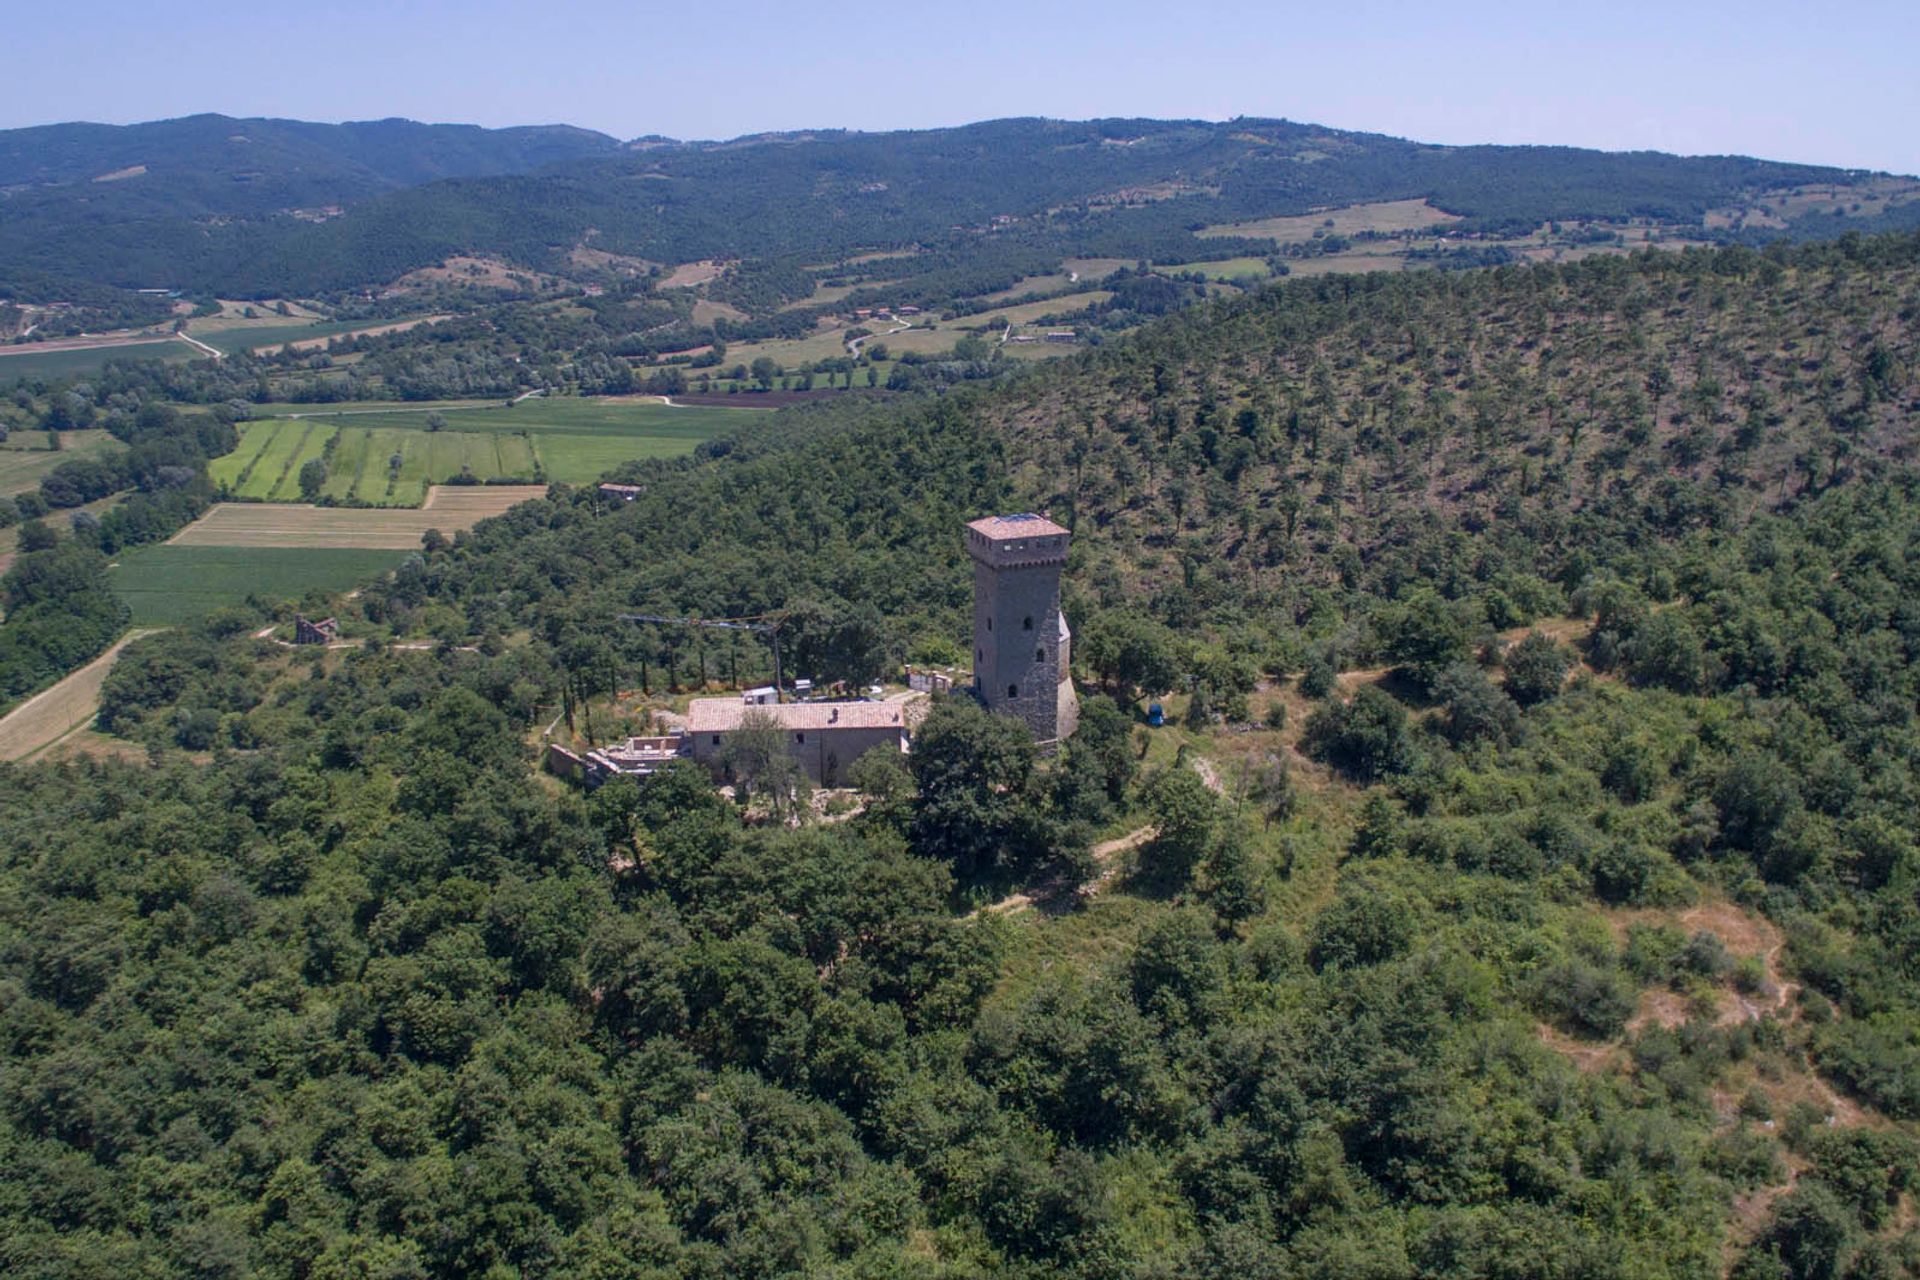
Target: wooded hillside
{"points": [[1524, 884]]}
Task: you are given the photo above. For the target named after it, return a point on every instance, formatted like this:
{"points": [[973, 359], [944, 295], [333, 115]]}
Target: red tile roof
{"points": [[1016, 526], [722, 715]]}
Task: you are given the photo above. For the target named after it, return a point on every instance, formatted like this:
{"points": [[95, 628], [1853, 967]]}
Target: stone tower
{"points": [[1020, 639]]}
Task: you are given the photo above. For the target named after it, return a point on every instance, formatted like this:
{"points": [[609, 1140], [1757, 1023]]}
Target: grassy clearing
{"points": [[1390, 217], [1053, 283], [1094, 269], [825, 293], [246, 336], [1336, 264], [1229, 268], [824, 345], [24, 458], [1032, 311], [169, 584]]}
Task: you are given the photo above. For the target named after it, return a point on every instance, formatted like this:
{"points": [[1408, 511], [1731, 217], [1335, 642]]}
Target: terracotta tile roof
{"points": [[722, 715], [1026, 525]]}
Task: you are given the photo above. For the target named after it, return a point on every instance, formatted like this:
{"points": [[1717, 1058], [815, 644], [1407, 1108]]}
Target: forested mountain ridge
{"points": [[208, 165], [1126, 188], [1474, 971]]}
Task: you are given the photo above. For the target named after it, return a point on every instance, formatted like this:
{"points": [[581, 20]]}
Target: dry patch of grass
{"points": [[470, 272], [691, 275], [602, 260], [706, 312], [371, 331], [448, 508], [53, 713], [1094, 269], [1385, 216], [1587, 1056]]}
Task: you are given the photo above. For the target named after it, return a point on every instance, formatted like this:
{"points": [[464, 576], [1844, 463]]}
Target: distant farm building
{"points": [[624, 492], [1062, 335], [325, 631], [929, 681]]}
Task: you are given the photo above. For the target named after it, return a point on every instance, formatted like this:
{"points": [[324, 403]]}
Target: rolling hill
{"points": [[1437, 945], [220, 215]]}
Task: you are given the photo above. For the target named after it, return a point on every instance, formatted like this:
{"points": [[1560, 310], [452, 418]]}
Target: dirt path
{"points": [[52, 714], [1209, 775], [1106, 856], [853, 344]]}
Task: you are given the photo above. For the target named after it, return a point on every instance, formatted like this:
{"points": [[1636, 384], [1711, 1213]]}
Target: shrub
{"points": [[1365, 738], [1536, 667]]}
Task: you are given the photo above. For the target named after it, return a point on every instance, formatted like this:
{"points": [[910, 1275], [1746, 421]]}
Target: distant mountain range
{"points": [[256, 208], [217, 166]]}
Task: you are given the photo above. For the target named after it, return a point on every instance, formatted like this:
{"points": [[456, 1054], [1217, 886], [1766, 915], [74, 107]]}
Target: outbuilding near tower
{"points": [[1021, 645]]}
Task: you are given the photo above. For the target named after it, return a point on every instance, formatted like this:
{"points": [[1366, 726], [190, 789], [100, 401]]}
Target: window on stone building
{"points": [[1013, 691], [1026, 624]]}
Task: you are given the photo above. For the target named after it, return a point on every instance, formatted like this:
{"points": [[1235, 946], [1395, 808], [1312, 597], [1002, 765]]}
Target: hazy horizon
{"points": [[1764, 80]]}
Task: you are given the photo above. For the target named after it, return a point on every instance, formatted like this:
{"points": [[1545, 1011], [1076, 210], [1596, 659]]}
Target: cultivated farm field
{"points": [[389, 457], [300, 525], [168, 584], [43, 360], [286, 551]]}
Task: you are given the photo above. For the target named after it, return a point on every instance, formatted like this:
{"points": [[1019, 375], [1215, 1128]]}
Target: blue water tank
{"points": [[1155, 715]]}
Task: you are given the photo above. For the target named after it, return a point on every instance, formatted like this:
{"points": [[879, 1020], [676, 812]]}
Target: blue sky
{"points": [[1833, 83]]}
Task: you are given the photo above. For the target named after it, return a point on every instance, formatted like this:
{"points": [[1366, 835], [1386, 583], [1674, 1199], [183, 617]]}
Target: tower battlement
{"points": [[1021, 645], [1012, 541]]}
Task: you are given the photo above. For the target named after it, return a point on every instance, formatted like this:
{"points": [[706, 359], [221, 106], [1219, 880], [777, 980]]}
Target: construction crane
{"points": [[766, 624]]}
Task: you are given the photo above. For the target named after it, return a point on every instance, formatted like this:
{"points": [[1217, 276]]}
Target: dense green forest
{"points": [[212, 216], [1526, 888]]}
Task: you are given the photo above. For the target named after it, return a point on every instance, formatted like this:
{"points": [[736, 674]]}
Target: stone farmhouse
{"points": [[826, 737]]}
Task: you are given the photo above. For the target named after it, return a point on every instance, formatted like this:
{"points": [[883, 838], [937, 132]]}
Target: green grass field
{"points": [[245, 337], [164, 585], [1230, 268], [33, 365], [24, 457], [574, 441]]}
